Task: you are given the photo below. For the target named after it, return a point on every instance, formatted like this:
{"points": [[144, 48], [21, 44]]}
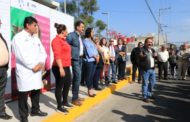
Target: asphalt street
{"points": [[172, 104]]}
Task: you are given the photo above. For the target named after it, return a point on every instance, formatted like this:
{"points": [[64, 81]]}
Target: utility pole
{"points": [[65, 6], [107, 29], [159, 24]]}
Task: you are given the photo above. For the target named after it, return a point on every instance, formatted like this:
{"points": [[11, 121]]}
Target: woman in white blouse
{"points": [[106, 60]]}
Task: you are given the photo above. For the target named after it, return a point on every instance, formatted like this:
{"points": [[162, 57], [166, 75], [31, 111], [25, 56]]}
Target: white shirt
{"points": [[151, 59], [4, 55], [106, 53], [112, 51], [81, 46], [163, 56], [28, 51]]}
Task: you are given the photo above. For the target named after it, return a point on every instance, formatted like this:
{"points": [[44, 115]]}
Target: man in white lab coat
{"points": [[30, 59]]}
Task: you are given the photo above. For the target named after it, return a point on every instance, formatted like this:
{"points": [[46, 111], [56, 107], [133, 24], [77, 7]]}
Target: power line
{"points": [[154, 17]]}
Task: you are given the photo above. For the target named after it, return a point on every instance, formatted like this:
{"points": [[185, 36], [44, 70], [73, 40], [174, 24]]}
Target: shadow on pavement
{"points": [[131, 96], [139, 118], [172, 101]]}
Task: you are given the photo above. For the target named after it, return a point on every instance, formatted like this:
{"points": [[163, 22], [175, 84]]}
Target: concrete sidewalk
{"points": [[48, 104]]}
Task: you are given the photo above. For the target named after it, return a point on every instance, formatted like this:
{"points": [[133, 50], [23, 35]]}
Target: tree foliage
{"points": [[84, 10], [100, 26]]}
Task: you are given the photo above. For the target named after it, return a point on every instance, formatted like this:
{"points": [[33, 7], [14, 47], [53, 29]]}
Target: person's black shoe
{"points": [[114, 82], [23, 119], [165, 78], [107, 83], [62, 109], [38, 113], [146, 100], [152, 97], [139, 81], [67, 105], [5, 116], [98, 89], [92, 95], [82, 84]]}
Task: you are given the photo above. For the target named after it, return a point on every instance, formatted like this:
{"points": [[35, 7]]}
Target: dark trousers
{"points": [[22, 102], [3, 81], [83, 73], [135, 67], [76, 68], [121, 69], [172, 68], [62, 85], [96, 77], [162, 66], [89, 71]]}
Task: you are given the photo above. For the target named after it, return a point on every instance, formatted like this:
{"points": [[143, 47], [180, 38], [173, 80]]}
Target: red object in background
{"points": [[128, 40]]}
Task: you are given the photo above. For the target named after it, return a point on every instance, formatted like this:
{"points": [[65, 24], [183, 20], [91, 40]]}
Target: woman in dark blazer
{"points": [[121, 59]]}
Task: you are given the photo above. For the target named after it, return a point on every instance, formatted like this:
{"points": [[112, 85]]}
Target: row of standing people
{"points": [[69, 50], [173, 62], [112, 59], [141, 60]]}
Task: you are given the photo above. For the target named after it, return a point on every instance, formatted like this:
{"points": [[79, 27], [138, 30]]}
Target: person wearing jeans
{"points": [[61, 67], [112, 68], [91, 58], [148, 82], [99, 66], [75, 41], [147, 56]]}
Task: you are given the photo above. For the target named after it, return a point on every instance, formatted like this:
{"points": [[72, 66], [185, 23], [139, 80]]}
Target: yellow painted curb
{"points": [[87, 104]]}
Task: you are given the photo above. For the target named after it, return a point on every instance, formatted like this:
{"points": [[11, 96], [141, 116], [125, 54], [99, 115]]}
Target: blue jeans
{"points": [[89, 73], [76, 68], [112, 72], [149, 80]]}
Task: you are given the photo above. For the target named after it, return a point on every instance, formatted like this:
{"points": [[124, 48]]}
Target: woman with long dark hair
{"points": [[91, 58], [61, 67]]}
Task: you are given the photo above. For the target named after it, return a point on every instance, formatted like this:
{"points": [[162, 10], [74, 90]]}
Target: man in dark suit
{"points": [[4, 61], [75, 40], [135, 59]]}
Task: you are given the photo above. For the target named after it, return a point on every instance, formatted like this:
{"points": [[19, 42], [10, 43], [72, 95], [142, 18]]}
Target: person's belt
{"points": [[3, 67]]}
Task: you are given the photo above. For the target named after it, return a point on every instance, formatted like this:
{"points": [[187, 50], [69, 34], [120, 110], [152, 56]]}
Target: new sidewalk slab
{"points": [[48, 104]]}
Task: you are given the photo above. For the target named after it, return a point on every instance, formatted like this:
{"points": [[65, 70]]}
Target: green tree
{"points": [[100, 26], [84, 10], [89, 6], [72, 8]]}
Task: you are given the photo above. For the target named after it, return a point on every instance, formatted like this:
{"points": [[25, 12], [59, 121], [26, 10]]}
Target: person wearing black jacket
{"points": [[120, 51], [4, 61], [147, 56], [135, 59]]}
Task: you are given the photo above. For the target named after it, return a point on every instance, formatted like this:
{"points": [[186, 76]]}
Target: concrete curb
{"points": [[87, 104]]}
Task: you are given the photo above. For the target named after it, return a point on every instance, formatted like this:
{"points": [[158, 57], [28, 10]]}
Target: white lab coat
{"points": [[28, 51]]}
